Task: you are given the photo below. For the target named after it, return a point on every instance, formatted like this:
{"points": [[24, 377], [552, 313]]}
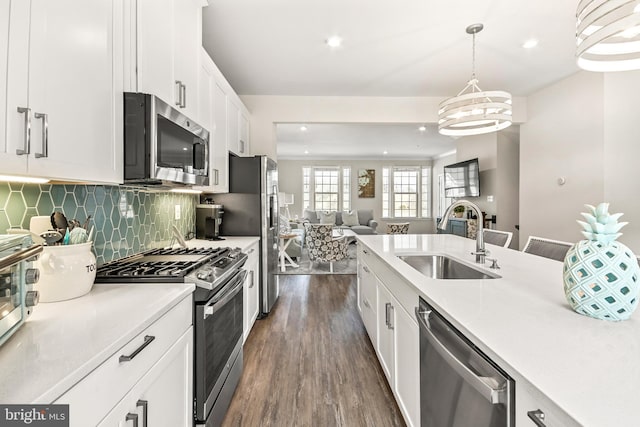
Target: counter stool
{"points": [[397, 227]]}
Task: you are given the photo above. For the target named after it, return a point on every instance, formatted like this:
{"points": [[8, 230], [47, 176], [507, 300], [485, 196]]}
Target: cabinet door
{"points": [[164, 395], [75, 90], [386, 325], [187, 22], [529, 399], [368, 301], [14, 61], [244, 143], [220, 156], [251, 290], [155, 35], [407, 364], [233, 136]]}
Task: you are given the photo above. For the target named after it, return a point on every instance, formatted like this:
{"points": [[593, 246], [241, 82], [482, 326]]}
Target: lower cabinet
{"points": [[394, 334], [535, 409], [149, 378], [152, 401], [251, 291]]}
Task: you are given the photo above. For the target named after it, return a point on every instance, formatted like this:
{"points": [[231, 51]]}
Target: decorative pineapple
{"points": [[601, 275]]}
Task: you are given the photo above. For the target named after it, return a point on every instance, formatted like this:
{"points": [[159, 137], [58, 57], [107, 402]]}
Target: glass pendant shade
{"points": [[608, 35], [474, 111]]}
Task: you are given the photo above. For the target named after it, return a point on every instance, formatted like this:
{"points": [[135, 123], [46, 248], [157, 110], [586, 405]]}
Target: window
{"points": [[326, 188], [443, 200], [406, 192]]}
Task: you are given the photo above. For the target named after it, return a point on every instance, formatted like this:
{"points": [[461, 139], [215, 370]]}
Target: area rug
{"points": [[345, 266]]}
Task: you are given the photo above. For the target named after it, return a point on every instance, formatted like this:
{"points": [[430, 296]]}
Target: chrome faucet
{"points": [[480, 252]]}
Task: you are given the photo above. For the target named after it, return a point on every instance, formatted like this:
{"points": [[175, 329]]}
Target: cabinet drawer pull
{"points": [[392, 310], [147, 340], [183, 95], [386, 314], [252, 282], [26, 149], [365, 268], [216, 179], [179, 93], [144, 404], [45, 134], [538, 417], [364, 251], [132, 417]]}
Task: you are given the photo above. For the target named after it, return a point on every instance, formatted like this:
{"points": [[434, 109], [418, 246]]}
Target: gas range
{"points": [[208, 268]]}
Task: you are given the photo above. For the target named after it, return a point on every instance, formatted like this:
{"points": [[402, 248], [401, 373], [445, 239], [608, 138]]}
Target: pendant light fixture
{"points": [[608, 35], [473, 111]]}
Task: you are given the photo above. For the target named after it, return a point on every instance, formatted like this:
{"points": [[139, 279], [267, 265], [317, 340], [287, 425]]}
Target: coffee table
{"points": [[339, 232]]}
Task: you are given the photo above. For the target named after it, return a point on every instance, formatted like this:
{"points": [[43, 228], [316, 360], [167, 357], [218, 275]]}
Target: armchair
{"points": [[322, 246]]}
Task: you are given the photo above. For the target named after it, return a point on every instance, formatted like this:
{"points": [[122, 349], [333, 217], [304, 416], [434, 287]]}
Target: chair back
{"points": [[497, 237], [552, 249], [397, 227], [321, 244]]}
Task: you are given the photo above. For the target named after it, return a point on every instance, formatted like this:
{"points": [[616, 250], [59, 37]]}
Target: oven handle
{"points": [[216, 302], [493, 395], [16, 257]]}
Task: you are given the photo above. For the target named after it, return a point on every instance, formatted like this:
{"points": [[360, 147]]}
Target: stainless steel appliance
{"points": [[208, 220], [459, 385], [161, 145], [17, 277], [251, 209], [218, 307]]}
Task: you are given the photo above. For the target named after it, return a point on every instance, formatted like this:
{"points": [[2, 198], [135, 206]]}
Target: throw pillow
{"points": [[350, 218], [311, 216], [327, 218]]}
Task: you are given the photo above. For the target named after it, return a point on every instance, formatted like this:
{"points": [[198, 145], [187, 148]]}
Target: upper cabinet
{"points": [[61, 77], [168, 38]]}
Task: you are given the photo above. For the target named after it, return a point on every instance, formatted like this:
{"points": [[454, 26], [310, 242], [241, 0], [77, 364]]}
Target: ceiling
{"points": [[405, 48]]}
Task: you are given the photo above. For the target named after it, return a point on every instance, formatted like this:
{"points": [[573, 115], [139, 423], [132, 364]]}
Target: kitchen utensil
{"points": [[40, 224], [59, 223], [36, 239], [90, 236], [86, 223], [51, 237], [77, 236], [67, 235], [178, 236]]}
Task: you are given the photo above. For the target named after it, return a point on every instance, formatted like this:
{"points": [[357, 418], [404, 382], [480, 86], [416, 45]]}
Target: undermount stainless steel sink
{"points": [[444, 267]]}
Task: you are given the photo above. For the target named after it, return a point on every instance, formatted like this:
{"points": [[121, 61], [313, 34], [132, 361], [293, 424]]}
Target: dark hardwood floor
{"points": [[310, 362]]}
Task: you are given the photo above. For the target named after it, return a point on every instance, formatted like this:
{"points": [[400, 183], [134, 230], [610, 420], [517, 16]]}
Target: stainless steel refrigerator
{"points": [[251, 209]]}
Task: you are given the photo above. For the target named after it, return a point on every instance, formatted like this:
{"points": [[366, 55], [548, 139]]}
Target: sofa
{"points": [[365, 223]]}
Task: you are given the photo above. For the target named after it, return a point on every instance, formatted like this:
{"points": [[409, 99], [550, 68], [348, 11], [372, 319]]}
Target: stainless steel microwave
{"points": [[161, 145]]}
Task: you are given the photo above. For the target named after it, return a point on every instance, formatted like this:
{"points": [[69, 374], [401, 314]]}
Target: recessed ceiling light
{"points": [[530, 44], [384, 152], [303, 128], [422, 128], [334, 41], [306, 151]]}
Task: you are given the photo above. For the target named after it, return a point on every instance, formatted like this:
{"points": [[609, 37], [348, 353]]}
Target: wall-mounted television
{"points": [[462, 179]]}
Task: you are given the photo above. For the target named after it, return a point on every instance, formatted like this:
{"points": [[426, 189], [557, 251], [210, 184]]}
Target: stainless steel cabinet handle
{"points": [[538, 417], [252, 282], [145, 405], [45, 134], [26, 148], [364, 251], [365, 268], [147, 340], [252, 251], [183, 95], [391, 312], [216, 174], [493, 395], [386, 313], [179, 93], [132, 417], [241, 147]]}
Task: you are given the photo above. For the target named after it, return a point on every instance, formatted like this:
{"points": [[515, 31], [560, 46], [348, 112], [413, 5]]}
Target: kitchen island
{"points": [[585, 371]]}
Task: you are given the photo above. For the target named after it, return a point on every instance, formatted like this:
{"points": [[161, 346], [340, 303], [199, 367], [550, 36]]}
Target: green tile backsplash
{"points": [[127, 220]]}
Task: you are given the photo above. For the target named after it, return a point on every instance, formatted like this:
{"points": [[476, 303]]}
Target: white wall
{"points": [[563, 137], [268, 110], [290, 181], [622, 152], [484, 147]]}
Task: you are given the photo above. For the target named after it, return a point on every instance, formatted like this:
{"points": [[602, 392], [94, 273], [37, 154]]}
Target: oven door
{"points": [[218, 339]]}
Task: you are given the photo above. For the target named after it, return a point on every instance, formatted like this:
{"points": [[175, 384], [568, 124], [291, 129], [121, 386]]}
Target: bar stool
{"points": [[397, 227]]}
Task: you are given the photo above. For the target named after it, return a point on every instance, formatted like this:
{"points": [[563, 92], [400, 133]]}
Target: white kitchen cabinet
{"points": [[155, 399], [407, 365], [251, 293], [159, 369], [368, 300], [386, 324], [530, 400], [233, 127], [212, 107], [63, 83], [168, 39], [244, 139]]}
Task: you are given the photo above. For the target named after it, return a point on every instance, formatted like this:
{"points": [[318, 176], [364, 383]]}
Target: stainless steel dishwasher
{"points": [[459, 386]]}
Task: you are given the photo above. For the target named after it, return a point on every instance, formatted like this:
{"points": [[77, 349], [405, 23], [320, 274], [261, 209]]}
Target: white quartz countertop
{"points": [[62, 342], [242, 242], [589, 368]]}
